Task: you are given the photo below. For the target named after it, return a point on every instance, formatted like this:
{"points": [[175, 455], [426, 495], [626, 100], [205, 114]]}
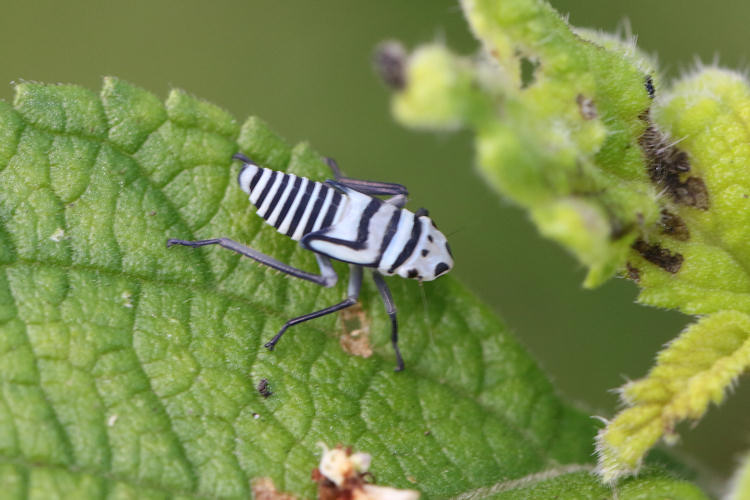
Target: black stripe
{"points": [[408, 249], [256, 178], [390, 232], [364, 223], [266, 189], [288, 203], [332, 209], [301, 208], [362, 231], [316, 208], [277, 196]]}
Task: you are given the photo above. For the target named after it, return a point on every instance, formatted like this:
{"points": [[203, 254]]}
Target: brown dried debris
{"points": [[662, 257], [343, 475], [264, 489], [355, 339]]}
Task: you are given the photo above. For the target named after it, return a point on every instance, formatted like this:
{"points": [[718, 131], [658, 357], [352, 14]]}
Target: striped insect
{"points": [[342, 219]]}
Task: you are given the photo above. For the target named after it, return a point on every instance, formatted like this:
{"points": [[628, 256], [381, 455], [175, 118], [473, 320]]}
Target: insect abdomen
{"points": [[295, 206]]}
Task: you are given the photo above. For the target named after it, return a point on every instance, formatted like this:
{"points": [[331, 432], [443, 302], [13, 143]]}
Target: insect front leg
{"points": [[355, 285], [390, 308], [326, 278]]}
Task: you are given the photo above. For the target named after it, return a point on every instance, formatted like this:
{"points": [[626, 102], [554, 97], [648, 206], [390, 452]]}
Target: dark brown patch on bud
{"points": [[528, 67], [649, 83], [633, 272], [390, 63], [587, 107], [673, 225], [659, 256], [667, 165], [693, 193]]}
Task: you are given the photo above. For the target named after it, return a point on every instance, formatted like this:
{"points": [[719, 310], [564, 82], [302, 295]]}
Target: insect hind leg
{"points": [[355, 285], [372, 188], [326, 278]]}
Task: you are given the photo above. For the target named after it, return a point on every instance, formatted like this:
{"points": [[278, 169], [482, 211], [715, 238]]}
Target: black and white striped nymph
{"points": [[343, 220]]}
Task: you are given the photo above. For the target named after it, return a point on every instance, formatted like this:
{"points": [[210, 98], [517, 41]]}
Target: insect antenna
{"points": [[455, 231]]}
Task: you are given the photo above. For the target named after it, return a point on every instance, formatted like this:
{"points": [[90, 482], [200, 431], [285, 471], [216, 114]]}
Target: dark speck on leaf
{"points": [[263, 388]]}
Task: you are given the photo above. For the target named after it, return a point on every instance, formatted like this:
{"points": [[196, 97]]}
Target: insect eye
{"points": [[441, 268]]}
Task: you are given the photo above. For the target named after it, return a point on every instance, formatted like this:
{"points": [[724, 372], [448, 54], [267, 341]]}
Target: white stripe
{"points": [[322, 214], [271, 193], [284, 226], [305, 216], [280, 205], [247, 174], [260, 185]]}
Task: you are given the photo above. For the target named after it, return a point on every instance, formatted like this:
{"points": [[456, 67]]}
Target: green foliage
{"points": [[651, 189], [740, 488], [130, 370]]}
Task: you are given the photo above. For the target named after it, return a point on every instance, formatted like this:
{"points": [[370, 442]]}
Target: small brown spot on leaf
{"points": [[662, 257], [673, 225], [633, 272], [587, 107], [264, 489], [355, 338], [263, 388]]}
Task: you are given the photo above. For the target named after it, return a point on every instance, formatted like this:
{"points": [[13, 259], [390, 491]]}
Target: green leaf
{"points": [[635, 178], [130, 370], [740, 488]]}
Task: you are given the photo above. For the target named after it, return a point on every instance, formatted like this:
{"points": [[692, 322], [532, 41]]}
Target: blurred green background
{"points": [[305, 68]]}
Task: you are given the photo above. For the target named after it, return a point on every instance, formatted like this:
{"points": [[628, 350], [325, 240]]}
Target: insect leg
{"points": [[355, 285], [390, 308], [326, 278], [241, 157], [372, 188]]}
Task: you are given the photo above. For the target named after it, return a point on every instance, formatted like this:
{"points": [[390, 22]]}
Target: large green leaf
{"points": [[130, 370]]}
